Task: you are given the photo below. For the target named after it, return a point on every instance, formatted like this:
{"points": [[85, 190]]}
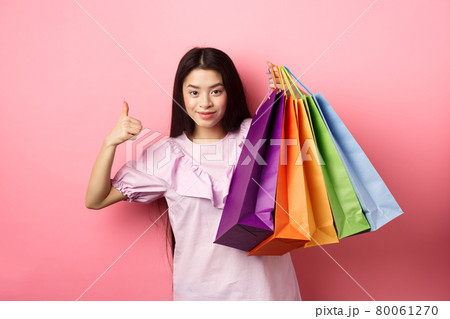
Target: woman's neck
{"points": [[208, 134]]}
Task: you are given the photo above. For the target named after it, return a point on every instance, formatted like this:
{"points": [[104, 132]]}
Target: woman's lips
{"points": [[206, 115]]}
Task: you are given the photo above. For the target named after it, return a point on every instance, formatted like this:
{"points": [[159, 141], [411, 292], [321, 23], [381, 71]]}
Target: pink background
{"points": [[62, 83]]}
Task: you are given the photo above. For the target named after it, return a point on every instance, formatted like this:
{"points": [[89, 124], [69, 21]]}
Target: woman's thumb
{"points": [[125, 108]]}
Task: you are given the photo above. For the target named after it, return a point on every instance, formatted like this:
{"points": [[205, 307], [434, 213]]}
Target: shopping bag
{"points": [[247, 215], [292, 207], [377, 202], [322, 223], [346, 209]]}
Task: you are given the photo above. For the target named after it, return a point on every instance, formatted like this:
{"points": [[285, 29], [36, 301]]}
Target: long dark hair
{"points": [[209, 59], [236, 110]]}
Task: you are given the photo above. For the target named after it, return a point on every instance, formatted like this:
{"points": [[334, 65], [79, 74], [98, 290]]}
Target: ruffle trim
{"points": [[217, 189]]}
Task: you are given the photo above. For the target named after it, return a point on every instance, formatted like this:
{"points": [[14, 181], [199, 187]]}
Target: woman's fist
{"points": [[126, 128], [277, 77]]}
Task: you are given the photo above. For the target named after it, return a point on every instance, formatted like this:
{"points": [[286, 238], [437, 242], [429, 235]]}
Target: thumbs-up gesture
{"points": [[126, 128]]}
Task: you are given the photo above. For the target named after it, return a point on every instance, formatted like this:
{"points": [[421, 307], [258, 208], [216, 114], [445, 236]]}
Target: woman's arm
{"points": [[100, 193]]}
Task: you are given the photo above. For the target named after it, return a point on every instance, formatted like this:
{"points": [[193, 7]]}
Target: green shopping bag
{"points": [[346, 209]]}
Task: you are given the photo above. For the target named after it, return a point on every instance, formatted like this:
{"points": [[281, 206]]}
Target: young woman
{"points": [[192, 169]]}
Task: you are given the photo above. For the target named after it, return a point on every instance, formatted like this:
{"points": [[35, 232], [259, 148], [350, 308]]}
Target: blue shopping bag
{"points": [[377, 202]]}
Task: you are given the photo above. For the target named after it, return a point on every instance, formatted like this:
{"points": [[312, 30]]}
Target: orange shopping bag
{"points": [[321, 221], [322, 229]]}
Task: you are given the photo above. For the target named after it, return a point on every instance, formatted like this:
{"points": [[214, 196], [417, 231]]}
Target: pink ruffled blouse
{"points": [[195, 180]]}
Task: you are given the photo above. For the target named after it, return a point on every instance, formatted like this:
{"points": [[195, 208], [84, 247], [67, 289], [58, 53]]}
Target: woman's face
{"points": [[205, 97]]}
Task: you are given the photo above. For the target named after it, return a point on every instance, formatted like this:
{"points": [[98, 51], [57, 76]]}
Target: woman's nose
{"points": [[205, 102]]}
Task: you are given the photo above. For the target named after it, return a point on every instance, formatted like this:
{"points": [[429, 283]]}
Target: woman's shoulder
{"points": [[166, 145], [158, 159], [242, 131], [245, 125]]}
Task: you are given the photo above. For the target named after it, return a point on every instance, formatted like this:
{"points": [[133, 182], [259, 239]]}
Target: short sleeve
{"points": [[137, 185]]}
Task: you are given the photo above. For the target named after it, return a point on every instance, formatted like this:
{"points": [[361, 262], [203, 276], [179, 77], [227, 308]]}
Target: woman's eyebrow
{"points": [[212, 86], [217, 84]]}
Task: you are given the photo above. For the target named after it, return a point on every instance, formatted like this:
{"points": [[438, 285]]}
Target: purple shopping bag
{"points": [[247, 217]]}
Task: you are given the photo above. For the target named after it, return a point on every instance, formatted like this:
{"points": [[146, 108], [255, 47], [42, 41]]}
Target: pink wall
{"points": [[62, 83]]}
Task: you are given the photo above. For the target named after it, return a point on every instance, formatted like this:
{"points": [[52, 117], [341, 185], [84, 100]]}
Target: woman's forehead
{"points": [[203, 78]]}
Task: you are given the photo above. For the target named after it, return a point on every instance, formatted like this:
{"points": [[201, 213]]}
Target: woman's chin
{"points": [[211, 122]]}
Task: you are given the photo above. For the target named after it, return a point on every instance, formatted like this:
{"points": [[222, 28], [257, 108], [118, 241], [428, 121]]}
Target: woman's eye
{"points": [[194, 93], [216, 92]]}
